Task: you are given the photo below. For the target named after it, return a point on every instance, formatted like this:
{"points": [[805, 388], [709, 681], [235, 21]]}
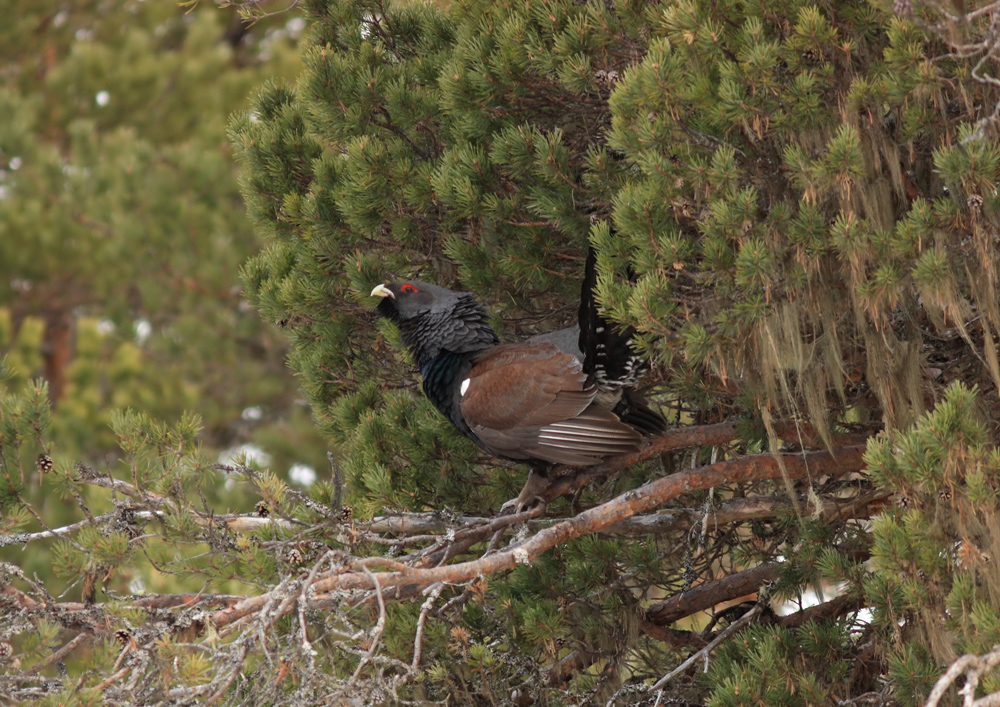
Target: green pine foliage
{"points": [[121, 225], [933, 553], [794, 203], [774, 666], [806, 199]]}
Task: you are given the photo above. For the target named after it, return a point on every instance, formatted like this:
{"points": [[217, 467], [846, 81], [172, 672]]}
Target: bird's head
{"points": [[409, 299], [434, 318]]}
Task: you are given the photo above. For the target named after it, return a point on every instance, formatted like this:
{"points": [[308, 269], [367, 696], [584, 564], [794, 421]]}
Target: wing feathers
{"points": [[525, 386], [533, 401], [584, 430], [581, 441]]}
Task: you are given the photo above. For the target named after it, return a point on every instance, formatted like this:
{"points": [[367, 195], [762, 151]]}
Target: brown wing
{"points": [[531, 401], [518, 385]]}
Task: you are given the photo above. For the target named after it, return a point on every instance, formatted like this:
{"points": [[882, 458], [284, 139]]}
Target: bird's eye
{"points": [[408, 288]]}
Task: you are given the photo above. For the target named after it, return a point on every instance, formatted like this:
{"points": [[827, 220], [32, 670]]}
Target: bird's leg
{"points": [[534, 489]]}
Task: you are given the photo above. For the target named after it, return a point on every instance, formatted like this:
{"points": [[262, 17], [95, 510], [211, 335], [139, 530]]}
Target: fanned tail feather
{"points": [[609, 359]]}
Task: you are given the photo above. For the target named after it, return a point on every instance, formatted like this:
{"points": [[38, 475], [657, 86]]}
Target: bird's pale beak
{"points": [[382, 291]]}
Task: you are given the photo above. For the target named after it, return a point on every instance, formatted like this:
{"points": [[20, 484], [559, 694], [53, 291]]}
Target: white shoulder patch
{"points": [[464, 387]]}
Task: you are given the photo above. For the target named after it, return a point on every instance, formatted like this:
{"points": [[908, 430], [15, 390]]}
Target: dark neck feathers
{"points": [[461, 329], [441, 378]]}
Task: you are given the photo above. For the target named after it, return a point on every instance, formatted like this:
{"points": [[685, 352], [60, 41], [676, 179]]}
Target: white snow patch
{"points": [[302, 475]]}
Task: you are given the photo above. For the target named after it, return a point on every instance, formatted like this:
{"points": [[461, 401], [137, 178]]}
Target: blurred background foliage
{"points": [[122, 232]]}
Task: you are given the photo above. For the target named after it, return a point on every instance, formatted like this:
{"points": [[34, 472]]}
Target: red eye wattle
{"points": [[408, 288]]}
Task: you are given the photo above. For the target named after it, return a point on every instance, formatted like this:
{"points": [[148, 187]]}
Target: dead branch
{"points": [[91, 618], [742, 510], [669, 441], [705, 596], [464, 539], [716, 642], [974, 667], [737, 510], [433, 522], [377, 633], [56, 656], [402, 584], [432, 594]]}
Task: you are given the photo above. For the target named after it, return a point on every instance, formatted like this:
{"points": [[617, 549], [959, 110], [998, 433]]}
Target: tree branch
{"points": [[56, 656], [400, 584], [844, 604], [974, 667], [737, 510], [669, 441], [705, 596]]}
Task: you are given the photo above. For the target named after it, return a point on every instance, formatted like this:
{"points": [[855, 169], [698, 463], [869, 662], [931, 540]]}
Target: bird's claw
{"points": [[532, 495], [528, 504], [521, 504]]}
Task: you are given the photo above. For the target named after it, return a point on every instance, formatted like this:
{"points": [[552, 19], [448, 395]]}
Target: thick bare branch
{"points": [[668, 441], [737, 510], [839, 606], [707, 595]]}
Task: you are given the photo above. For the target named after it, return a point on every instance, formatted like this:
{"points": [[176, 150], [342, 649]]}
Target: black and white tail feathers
{"points": [[609, 359]]}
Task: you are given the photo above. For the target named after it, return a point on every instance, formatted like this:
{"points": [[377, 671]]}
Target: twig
{"points": [[377, 634], [973, 666], [56, 656], [704, 652], [303, 602], [466, 538], [112, 679], [220, 693], [432, 594]]}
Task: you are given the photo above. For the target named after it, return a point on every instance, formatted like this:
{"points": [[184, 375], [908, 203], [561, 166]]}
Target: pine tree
{"points": [[806, 203], [121, 235], [794, 204]]}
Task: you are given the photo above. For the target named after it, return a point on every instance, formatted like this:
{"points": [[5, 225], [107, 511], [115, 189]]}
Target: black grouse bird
{"points": [[561, 398]]}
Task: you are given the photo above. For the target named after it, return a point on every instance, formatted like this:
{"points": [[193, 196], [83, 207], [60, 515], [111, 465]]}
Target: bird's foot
{"points": [[532, 495]]}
